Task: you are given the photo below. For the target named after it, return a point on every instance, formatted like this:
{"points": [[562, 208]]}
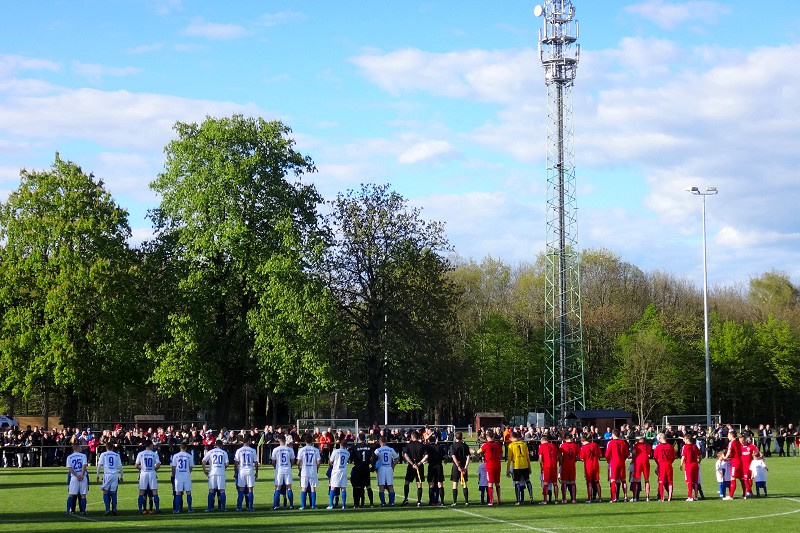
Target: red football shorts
{"points": [[617, 471], [493, 473], [568, 472], [641, 470], [549, 474], [665, 473], [591, 474], [690, 471], [736, 471]]}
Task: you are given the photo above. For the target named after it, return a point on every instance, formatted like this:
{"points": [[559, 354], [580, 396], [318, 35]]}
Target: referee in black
{"points": [[459, 453], [414, 455], [433, 456]]}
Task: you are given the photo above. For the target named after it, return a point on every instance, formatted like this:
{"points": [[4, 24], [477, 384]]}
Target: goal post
{"points": [[323, 424]]}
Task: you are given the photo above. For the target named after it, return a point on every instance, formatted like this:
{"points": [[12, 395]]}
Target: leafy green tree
{"points": [[65, 271], [244, 238], [649, 377], [732, 348], [396, 302]]}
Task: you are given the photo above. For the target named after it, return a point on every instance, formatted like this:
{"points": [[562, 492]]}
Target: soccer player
{"points": [[111, 464], [338, 484], [77, 463], [413, 454], [548, 459], [246, 461], [749, 451], [384, 465], [664, 454], [433, 456], [690, 464], [361, 453], [182, 463], [734, 456], [568, 454], [518, 465], [590, 455], [216, 459], [459, 453], [641, 468], [492, 451], [282, 459], [616, 454], [308, 460], [148, 463]]}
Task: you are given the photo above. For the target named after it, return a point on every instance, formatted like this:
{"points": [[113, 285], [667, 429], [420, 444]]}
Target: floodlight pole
{"points": [[385, 375], [709, 191]]}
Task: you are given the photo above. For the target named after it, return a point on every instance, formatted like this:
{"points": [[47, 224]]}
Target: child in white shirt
{"points": [[483, 480], [723, 469], [759, 469]]}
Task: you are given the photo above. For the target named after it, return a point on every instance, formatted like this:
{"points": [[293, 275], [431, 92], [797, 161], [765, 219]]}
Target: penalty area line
{"points": [[493, 519]]}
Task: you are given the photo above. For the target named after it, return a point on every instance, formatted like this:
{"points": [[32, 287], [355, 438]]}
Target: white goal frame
{"points": [[324, 423]]}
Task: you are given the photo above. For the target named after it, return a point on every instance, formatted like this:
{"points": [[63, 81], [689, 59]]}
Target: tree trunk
{"points": [[69, 415]]}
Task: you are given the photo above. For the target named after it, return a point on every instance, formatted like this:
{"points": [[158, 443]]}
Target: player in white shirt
{"points": [[182, 463], [308, 459], [384, 465], [148, 463], [246, 461], [77, 463], [217, 460], [282, 459], [111, 464], [339, 460]]}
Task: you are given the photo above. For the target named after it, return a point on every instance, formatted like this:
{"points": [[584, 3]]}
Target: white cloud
{"points": [[488, 223], [145, 48], [95, 71], [11, 64], [212, 30], [281, 17], [112, 119], [490, 76], [426, 151], [670, 15]]}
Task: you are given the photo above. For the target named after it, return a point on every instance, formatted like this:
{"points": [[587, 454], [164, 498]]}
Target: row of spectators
{"points": [[35, 446]]}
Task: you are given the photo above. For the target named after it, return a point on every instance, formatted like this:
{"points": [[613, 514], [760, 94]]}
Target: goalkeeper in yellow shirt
{"points": [[519, 466]]}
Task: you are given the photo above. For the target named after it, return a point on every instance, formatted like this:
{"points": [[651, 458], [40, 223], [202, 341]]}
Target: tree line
{"points": [[256, 300]]}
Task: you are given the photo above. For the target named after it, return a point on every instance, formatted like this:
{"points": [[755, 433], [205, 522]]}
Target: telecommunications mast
{"points": [[559, 52]]}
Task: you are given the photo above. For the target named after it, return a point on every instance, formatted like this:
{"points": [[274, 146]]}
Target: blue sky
{"points": [[445, 101]]}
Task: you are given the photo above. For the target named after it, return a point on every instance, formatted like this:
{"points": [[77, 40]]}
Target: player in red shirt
{"points": [[749, 450], [492, 451], [548, 458], [590, 455], [734, 456], [664, 454], [641, 468], [616, 454], [568, 454], [690, 464]]}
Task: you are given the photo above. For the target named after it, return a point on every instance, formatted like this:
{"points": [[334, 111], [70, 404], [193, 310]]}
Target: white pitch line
{"points": [[694, 522], [493, 519]]}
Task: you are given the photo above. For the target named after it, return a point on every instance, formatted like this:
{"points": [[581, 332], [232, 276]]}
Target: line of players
{"points": [[558, 465]]}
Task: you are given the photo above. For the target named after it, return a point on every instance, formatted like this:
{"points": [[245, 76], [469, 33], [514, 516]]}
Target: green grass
{"points": [[34, 499]]}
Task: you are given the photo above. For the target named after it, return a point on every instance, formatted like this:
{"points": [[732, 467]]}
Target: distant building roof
{"points": [[599, 413]]}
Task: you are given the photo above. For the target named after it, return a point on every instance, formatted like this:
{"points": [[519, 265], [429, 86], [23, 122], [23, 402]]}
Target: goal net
{"points": [[324, 423], [689, 420]]}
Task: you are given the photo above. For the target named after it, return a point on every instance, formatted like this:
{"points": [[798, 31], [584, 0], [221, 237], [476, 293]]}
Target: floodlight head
{"points": [[711, 190], [693, 190], [538, 11]]}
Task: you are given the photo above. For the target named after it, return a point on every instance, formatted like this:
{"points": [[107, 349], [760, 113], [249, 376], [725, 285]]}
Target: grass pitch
{"points": [[34, 499]]}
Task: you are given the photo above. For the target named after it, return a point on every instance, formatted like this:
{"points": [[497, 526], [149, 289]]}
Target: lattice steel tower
{"points": [[559, 52]]}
